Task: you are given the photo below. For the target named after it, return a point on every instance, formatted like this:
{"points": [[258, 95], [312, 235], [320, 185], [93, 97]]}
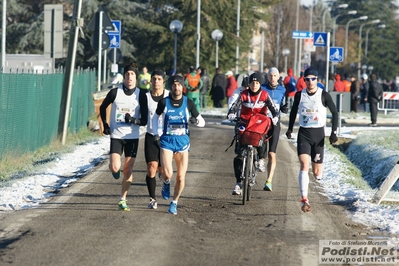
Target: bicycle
{"points": [[248, 174], [250, 136]]}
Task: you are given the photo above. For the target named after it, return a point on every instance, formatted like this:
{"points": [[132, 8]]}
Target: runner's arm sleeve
{"points": [[194, 113], [160, 107], [192, 108], [235, 106], [294, 110], [143, 108], [233, 98], [328, 102], [158, 112], [272, 107], [109, 99]]}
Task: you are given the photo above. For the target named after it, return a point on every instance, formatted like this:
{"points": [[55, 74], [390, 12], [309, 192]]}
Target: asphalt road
{"points": [[81, 225]]}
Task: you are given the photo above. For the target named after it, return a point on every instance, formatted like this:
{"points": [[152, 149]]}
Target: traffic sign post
{"points": [[336, 54], [115, 34], [298, 34], [320, 39]]}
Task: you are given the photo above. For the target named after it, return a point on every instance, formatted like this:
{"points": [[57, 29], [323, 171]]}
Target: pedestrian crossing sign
{"points": [[320, 38]]}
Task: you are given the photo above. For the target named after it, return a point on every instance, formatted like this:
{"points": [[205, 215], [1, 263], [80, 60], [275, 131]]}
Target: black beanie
{"points": [[311, 71], [158, 72], [131, 67], [175, 79], [256, 76]]}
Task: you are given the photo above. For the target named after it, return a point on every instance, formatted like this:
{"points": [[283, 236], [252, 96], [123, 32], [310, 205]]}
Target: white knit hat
{"points": [[274, 70]]}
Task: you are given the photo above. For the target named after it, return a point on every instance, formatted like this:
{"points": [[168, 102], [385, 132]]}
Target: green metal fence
{"points": [[30, 108]]}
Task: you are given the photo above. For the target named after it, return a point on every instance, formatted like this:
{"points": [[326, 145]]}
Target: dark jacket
{"points": [[206, 83], [218, 90], [355, 89], [375, 91]]}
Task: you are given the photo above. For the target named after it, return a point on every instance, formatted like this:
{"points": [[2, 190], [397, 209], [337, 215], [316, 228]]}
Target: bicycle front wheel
{"points": [[251, 167], [246, 189]]}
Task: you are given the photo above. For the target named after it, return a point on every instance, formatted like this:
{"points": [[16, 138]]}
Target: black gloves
{"points": [[288, 134], [284, 108], [107, 130], [333, 138], [193, 120], [130, 119], [157, 140]]}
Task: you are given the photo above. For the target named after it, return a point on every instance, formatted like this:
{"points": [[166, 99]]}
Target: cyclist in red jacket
{"points": [[251, 101]]}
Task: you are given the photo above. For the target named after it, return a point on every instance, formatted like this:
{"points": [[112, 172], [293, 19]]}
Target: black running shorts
{"points": [[129, 146], [311, 141]]}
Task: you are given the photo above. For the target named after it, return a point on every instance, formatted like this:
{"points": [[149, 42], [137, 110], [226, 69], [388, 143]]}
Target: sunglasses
{"points": [[309, 79]]}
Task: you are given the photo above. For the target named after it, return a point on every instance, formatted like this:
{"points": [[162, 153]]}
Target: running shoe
{"points": [[117, 174], [261, 165], [166, 191], [173, 208], [305, 205], [237, 189], [268, 186], [160, 176], [153, 204], [123, 205], [318, 178]]}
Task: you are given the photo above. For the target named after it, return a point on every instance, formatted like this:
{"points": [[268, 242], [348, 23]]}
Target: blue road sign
{"points": [[336, 54], [114, 41], [117, 27], [320, 38], [115, 34], [297, 34]]}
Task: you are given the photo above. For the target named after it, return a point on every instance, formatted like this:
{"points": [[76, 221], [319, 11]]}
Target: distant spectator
{"points": [[144, 80], [193, 84], [386, 86], [231, 84], [331, 81], [355, 90], [393, 86], [265, 71], [206, 84], [339, 86], [374, 96], [218, 88], [290, 87], [347, 83], [300, 83], [364, 91]]}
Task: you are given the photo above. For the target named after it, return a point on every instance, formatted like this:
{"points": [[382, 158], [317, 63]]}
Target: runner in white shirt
{"points": [[151, 148], [312, 104], [129, 111]]}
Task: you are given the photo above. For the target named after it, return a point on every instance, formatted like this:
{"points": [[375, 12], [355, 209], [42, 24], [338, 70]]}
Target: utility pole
{"points": [[3, 35], [76, 25]]}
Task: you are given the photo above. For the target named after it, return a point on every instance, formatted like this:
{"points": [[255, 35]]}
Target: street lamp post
{"points": [[347, 30], [370, 68], [364, 68], [359, 58], [286, 52], [238, 35], [381, 26], [351, 12], [325, 12], [175, 26], [217, 35], [197, 56]]}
